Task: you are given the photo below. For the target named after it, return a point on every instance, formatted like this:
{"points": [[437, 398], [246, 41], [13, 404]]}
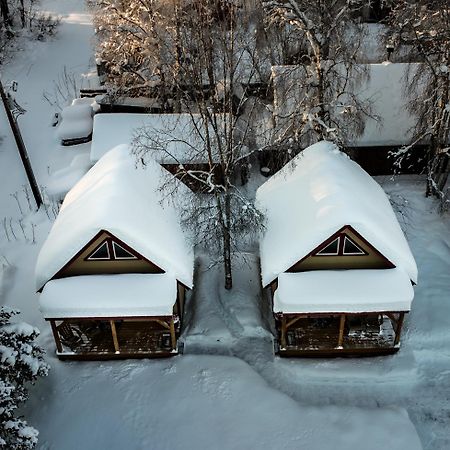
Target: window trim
{"points": [[338, 239], [121, 258], [108, 258], [344, 253]]}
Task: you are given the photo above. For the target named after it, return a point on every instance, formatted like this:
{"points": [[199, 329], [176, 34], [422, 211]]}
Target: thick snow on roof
{"points": [[125, 200], [315, 195], [346, 291], [383, 90], [124, 295], [175, 132]]}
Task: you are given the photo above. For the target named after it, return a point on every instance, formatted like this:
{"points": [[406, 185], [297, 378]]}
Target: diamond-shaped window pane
{"points": [[101, 252], [350, 248], [331, 249], [121, 253]]}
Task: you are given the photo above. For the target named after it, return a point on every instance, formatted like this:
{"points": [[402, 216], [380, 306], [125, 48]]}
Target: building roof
{"points": [[176, 133], [316, 194], [123, 295], [390, 124], [125, 199], [344, 291]]}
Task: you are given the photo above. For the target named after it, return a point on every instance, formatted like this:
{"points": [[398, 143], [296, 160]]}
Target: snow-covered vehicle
{"points": [[76, 124]]}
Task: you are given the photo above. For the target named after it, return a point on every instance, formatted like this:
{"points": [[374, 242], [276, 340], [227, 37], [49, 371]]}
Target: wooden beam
{"points": [[291, 322], [162, 323], [172, 334], [398, 330], [283, 332], [114, 335], [56, 336], [341, 331]]}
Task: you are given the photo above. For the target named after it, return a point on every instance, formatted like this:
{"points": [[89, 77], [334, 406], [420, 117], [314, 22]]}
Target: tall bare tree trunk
{"points": [[4, 10]]}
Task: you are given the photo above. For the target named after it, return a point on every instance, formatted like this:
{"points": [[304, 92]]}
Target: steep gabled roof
{"points": [[125, 200], [316, 194]]}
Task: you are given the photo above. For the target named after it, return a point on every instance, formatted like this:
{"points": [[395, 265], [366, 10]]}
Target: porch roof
{"points": [[122, 295], [344, 291]]}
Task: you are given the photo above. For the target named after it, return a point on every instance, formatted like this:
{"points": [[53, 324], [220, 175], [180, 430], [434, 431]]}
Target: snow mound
{"points": [[316, 194], [126, 200]]}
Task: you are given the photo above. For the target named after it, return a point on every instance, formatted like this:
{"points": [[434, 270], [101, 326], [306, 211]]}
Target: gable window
{"points": [[331, 249], [120, 252], [350, 248], [341, 246], [100, 253], [110, 250]]}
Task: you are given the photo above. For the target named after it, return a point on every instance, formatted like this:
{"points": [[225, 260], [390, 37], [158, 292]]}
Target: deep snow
{"points": [[248, 398]]}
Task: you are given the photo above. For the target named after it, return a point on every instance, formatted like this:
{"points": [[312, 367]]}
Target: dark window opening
{"points": [[121, 253], [350, 248], [331, 249], [101, 252]]}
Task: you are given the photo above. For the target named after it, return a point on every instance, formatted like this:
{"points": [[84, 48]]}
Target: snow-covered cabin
{"points": [[113, 271], [334, 259]]}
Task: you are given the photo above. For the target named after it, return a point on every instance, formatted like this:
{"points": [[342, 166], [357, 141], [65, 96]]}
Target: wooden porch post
{"points": [[172, 334], [341, 330], [56, 336], [114, 336], [398, 330], [283, 332]]}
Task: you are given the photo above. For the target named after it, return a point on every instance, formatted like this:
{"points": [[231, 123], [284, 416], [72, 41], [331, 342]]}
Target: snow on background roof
{"points": [[315, 195], [176, 132], [123, 295], [346, 291], [125, 200], [383, 90]]}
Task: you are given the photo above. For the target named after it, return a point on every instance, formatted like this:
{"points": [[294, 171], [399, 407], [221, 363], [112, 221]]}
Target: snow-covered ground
{"points": [[227, 391]]}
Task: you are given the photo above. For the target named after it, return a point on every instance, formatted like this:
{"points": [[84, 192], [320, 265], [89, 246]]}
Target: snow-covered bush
{"points": [[21, 362]]}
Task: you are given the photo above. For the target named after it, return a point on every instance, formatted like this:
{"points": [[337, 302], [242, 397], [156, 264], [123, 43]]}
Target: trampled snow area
{"points": [[227, 391]]}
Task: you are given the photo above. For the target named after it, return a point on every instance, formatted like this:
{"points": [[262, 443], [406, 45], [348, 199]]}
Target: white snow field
{"points": [[227, 391]]}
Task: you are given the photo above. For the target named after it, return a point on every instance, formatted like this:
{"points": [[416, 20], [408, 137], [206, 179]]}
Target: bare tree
{"points": [[424, 26], [323, 81], [209, 54]]}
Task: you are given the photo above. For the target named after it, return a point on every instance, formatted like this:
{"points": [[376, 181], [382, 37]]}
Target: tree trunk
{"points": [[4, 10], [227, 243]]}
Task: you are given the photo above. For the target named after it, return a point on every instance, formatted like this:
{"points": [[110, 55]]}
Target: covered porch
{"points": [[112, 316], [341, 312], [115, 338]]}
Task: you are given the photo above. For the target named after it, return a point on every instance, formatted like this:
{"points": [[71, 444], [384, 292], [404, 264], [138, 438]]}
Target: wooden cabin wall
{"points": [[373, 259], [78, 266]]}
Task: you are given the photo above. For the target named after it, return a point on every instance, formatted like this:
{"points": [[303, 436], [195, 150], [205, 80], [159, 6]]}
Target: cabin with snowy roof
{"points": [[334, 259], [113, 271]]}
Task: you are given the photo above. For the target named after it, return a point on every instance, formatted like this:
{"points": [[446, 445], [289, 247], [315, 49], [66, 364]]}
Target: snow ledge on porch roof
{"points": [[344, 291], [124, 199], [122, 295], [316, 194]]}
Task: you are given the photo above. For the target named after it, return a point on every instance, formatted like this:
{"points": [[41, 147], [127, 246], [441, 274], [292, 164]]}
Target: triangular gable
{"points": [[106, 254], [345, 249]]}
